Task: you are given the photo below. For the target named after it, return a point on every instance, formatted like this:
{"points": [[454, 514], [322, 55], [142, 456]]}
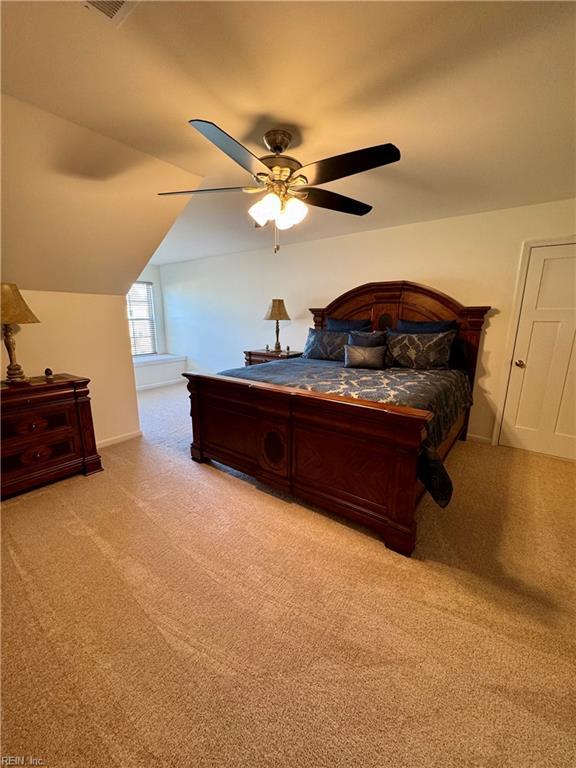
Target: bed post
{"points": [[318, 317], [470, 333], [401, 538], [196, 444]]}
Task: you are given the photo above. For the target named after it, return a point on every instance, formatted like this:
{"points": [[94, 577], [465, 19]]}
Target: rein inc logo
{"points": [[21, 760]]}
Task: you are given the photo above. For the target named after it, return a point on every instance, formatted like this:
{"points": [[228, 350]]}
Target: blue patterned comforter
{"points": [[446, 393]]}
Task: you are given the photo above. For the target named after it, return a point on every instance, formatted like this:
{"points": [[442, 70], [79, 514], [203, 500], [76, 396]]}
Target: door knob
{"points": [[520, 364]]}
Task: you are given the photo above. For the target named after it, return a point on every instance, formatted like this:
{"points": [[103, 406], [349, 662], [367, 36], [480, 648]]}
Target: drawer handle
{"points": [[34, 423], [34, 455]]}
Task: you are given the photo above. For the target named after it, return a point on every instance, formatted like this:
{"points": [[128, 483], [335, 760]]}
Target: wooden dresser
{"points": [[47, 432]]}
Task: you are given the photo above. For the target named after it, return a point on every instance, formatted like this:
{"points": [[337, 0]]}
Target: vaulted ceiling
{"points": [[79, 210], [479, 97]]}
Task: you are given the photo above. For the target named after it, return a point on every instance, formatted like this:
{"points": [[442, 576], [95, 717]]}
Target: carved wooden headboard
{"points": [[386, 303]]}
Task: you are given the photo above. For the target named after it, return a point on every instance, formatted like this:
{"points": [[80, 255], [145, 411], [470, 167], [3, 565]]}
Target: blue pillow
{"points": [[334, 324], [363, 339], [364, 357], [420, 350], [325, 345], [434, 326]]}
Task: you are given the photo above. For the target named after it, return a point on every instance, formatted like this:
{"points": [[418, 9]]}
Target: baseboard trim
{"points": [[479, 439], [142, 387], [118, 439]]}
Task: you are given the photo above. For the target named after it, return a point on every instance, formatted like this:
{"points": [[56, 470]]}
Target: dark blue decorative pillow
{"points": [[325, 345], [363, 357], [433, 326], [363, 339], [420, 350], [334, 324]]}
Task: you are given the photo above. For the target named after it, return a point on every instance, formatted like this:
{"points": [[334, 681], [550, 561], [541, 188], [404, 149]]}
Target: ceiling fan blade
{"points": [[339, 166], [204, 191], [323, 198], [230, 147]]}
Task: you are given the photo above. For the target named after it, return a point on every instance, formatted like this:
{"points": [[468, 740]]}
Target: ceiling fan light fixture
{"points": [[258, 214], [293, 212], [266, 209], [283, 221], [296, 209]]}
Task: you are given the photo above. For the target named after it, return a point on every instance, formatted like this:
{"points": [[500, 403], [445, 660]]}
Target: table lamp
{"points": [[14, 311], [277, 311]]}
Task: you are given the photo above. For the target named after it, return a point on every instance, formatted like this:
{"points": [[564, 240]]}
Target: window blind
{"points": [[140, 304]]}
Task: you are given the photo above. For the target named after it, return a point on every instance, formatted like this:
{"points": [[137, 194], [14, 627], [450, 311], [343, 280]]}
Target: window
{"points": [[140, 306]]}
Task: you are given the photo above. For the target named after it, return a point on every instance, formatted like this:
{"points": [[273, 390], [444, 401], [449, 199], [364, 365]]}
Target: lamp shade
{"points": [[14, 308], [277, 311]]}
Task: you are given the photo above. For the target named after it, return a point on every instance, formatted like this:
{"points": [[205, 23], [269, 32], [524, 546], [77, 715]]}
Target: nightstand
{"points": [[256, 356], [47, 432]]}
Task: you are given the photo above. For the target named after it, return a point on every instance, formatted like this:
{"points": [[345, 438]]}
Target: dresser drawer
{"points": [[34, 423], [34, 397], [23, 459]]}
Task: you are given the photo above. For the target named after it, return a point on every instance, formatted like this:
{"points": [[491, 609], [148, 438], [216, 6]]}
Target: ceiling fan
{"points": [[289, 185]]}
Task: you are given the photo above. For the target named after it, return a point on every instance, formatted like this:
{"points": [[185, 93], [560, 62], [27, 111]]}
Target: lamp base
{"points": [[14, 372], [15, 375]]}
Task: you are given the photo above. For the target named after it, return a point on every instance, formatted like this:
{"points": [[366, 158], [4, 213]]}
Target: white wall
{"points": [[159, 372], [214, 307], [86, 335]]}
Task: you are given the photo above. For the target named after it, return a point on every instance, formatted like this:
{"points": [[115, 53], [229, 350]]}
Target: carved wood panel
{"points": [[344, 464], [274, 447]]}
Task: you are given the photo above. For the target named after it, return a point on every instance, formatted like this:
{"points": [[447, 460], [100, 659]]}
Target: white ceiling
{"points": [[479, 97]]}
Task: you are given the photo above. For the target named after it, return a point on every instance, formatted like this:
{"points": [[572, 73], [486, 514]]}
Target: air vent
{"points": [[108, 8], [114, 10]]}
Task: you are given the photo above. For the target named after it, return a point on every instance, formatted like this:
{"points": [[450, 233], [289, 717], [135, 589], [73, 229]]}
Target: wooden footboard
{"points": [[354, 458]]}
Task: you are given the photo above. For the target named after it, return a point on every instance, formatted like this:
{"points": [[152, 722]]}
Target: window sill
{"points": [[140, 361]]}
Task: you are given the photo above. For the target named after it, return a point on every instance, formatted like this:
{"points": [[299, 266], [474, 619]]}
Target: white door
{"points": [[540, 409]]}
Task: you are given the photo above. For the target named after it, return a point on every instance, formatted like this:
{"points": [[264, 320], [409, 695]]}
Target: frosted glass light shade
{"points": [[266, 209], [292, 213], [296, 209], [283, 220], [258, 214]]}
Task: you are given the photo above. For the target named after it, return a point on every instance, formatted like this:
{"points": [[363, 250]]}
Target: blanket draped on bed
{"points": [[446, 393]]}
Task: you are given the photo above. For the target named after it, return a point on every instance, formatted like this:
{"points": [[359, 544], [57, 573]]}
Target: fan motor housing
{"points": [[277, 140], [282, 161]]}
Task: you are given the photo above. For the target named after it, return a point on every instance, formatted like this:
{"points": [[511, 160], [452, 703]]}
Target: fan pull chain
{"points": [[276, 239]]}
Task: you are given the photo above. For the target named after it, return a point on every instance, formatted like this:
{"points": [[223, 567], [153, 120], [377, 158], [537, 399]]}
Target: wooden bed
{"points": [[355, 458]]}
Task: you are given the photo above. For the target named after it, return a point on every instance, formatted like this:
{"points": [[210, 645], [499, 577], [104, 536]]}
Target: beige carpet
{"points": [[165, 613]]}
